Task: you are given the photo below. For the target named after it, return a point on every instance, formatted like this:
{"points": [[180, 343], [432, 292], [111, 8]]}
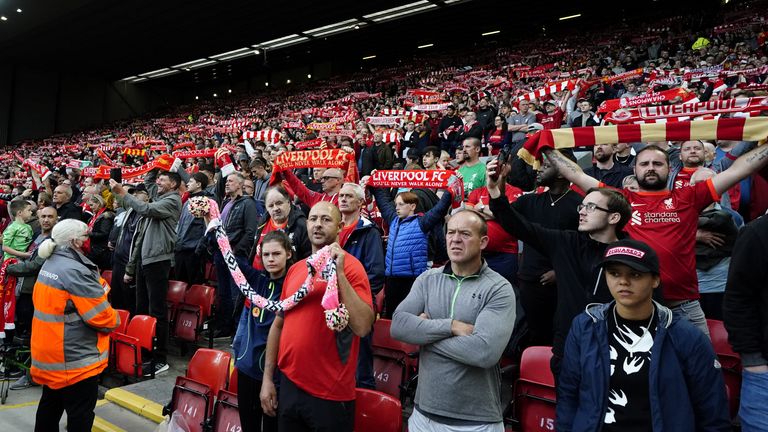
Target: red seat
{"points": [[210, 367], [730, 363], [394, 362], [125, 317], [226, 417], [107, 275], [534, 394], [175, 295], [127, 347], [210, 273], [377, 412], [193, 400], [233, 381], [193, 313], [378, 301]]}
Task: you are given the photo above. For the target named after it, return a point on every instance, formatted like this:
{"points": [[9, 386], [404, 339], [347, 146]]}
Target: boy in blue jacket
{"points": [[630, 365]]}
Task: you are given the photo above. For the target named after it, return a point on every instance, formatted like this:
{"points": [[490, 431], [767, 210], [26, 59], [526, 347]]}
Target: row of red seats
{"points": [[208, 375]]}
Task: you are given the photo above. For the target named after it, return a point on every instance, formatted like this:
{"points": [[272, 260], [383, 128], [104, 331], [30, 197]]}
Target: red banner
{"points": [[328, 158], [645, 99], [429, 179], [163, 162], [696, 109]]}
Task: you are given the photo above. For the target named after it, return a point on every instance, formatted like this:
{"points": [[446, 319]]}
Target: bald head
{"points": [[323, 224]]}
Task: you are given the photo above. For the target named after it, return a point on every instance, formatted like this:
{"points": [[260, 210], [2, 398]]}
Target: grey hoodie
{"points": [[459, 377]]}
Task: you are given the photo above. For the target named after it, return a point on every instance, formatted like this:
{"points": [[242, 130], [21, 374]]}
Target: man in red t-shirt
{"points": [[317, 388], [667, 219], [553, 118]]}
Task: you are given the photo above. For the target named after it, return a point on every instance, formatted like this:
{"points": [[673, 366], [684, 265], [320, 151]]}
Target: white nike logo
{"points": [[637, 204]]}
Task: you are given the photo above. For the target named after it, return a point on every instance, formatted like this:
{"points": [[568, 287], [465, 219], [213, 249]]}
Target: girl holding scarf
{"points": [[250, 341]]}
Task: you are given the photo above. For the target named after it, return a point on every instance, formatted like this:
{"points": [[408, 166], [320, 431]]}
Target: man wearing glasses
{"points": [[332, 180], [575, 255]]}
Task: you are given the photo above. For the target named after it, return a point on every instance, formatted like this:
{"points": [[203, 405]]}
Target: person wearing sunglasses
{"points": [[574, 255]]}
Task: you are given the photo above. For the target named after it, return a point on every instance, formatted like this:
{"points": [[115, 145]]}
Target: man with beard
{"points": [[605, 170], [667, 219], [692, 158]]}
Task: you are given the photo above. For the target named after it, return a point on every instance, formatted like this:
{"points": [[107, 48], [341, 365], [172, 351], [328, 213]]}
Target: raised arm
{"points": [[436, 215], [570, 170], [742, 167]]}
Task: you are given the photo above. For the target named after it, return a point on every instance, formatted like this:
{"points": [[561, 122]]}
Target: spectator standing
{"points": [[462, 316], [628, 361], [472, 170], [745, 314], [154, 242], [281, 216], [190, 233], [70, 343], [605, 169], [311, 400]]}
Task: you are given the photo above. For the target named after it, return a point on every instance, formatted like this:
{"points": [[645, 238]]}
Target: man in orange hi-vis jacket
{"points": [[72, 318]]}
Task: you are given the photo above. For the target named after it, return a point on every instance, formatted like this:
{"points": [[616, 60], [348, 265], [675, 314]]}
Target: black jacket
{"points": [[296, 230], [745, 308], [447, 122], [70, 211], [241, 224], [476, 131], [100, 253], [575, 258]]}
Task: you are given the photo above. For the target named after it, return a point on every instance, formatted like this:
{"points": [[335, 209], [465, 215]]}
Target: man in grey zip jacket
{"points": [[462, 316], [152, 264]]}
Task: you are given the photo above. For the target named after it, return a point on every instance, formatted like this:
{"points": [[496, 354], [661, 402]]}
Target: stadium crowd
{"points": [[426, 194]]}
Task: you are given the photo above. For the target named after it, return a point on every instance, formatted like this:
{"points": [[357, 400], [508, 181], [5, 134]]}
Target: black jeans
{"points": [[151, 292], [252, 418], [122, 295], [24, 311], [189, 267], [396, 290], [78, 400], [539, 303], [298, 411]]}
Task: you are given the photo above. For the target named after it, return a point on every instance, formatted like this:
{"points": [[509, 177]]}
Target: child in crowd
{"points": [[18, 235]]}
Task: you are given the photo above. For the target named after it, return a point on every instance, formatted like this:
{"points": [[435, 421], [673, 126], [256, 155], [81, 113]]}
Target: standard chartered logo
{"points": [[639, 218]]}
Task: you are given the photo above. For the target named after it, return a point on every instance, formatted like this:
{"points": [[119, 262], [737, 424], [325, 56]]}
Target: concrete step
{"points": [[111, 417]]}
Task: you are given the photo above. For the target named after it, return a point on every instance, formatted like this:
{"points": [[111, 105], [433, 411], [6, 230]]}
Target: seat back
{"points": [[534, 406], [143, 328], [200, 295], [392, 364], [534, 365], [729, 361], [124, 318], [719, 336], [127, 354], [382, 338], [187, 322], [176, 292], [194, 400], [534, 394], [233, 381], [377, 412], [107, 275], [211, 367], [226, 417]]}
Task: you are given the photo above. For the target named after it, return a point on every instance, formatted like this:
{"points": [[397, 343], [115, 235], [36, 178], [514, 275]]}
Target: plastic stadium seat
{"points": [[107, 275], [233, 381], [210, 367], [193, 313], [127, 347], [125, 317], [534, 394], [729, 361], [175, 295], [194, 400], [377, 412], [394, 362], [226, 417]]}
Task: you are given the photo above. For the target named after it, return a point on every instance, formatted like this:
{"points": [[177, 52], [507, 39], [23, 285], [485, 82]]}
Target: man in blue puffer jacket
{"points": [[630, 365]]}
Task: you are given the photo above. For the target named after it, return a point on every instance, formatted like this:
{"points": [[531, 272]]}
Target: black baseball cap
{"points": [[633, 253]]}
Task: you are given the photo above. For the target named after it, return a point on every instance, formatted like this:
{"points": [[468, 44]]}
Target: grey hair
{"points": [[62, 235], [359, 191]]}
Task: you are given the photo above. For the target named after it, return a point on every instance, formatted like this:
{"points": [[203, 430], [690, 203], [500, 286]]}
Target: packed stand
{"points": [[601, 200]]}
